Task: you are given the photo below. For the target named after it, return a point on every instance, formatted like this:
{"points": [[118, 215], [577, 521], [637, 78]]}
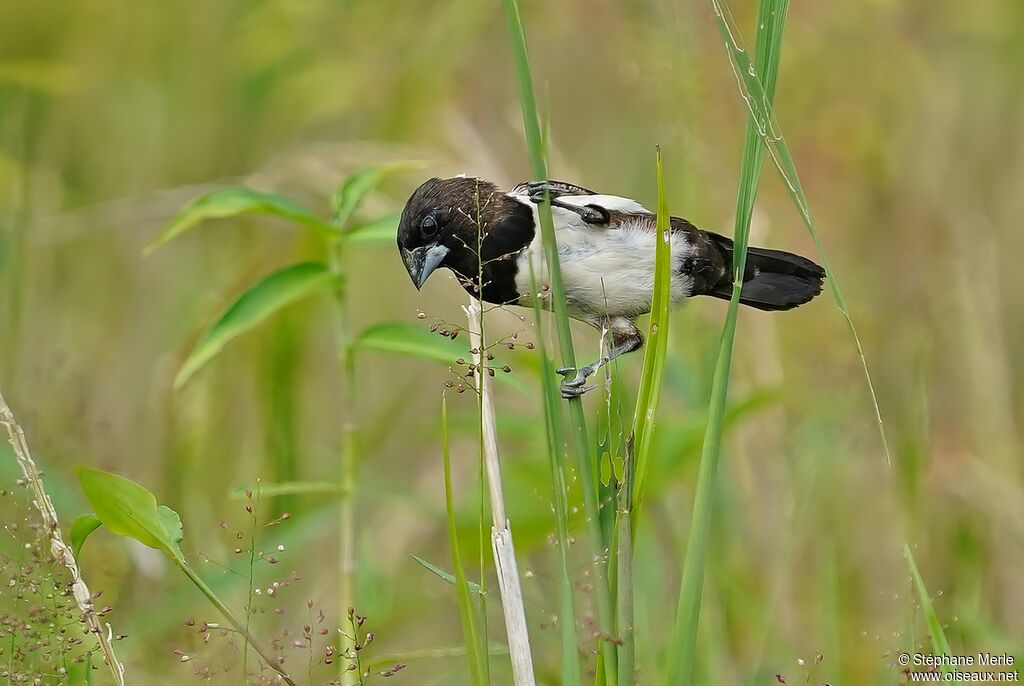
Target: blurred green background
{"points": [[905, 119]]}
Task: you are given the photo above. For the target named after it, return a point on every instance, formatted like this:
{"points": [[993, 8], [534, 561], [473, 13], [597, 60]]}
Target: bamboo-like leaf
{"points": [[476, 650], [380, 231], [128, 509], [442, 574], [233, 201], [271, 294], [940, 646], [356, 187], [657, 345], [682, 652], [80, 530]]}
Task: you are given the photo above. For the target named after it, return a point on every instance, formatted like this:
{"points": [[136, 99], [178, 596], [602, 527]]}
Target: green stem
{"points": [[346, 510], [624, 574], [580, 437], [484, 539], [771, 17], [235, 622]]}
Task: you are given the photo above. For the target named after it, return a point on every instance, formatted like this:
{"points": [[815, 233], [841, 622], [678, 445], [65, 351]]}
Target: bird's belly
{"points": [[606, 272]]}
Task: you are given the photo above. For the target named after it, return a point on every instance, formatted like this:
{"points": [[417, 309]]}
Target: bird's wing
{"points": [[563, 193]]}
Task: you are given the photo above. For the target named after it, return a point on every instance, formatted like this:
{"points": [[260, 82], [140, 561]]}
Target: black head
{"points": [[439, 225]]}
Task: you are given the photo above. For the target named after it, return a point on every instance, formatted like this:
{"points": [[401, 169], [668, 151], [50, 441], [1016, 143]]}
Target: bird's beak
{"points": [[421, 262]]}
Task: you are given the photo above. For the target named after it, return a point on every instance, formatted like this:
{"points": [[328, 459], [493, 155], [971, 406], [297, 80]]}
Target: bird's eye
{"points": [[428, 227]]}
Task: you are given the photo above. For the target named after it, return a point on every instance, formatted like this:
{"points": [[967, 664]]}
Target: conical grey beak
{"points": [[421, 262]]}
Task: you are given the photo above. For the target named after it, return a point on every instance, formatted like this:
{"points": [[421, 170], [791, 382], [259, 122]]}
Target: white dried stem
{"points": [[58, 549], [501, 532]]}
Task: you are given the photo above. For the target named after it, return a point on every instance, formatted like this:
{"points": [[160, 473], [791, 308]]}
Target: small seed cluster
{"points": [[463, 379], [310, 644], [44, 635]]}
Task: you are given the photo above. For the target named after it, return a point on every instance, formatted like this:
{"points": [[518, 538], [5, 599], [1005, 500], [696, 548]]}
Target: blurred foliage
{"points": [[903, 118]]}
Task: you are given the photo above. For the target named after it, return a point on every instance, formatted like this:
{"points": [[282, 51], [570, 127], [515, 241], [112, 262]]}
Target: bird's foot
{"points": [[538, 189], [575, 386]]}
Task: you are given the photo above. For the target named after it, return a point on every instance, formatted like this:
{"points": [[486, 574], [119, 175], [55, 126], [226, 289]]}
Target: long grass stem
{"points": [[682, 654], [557, 303]]}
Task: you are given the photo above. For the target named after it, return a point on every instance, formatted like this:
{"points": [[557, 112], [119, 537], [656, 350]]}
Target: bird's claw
{"points": [[538, 189], [573, 385], [570, 392]]}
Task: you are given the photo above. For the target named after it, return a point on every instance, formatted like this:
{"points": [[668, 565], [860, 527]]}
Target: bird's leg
{"points": [[591, 214], [625, 339]]}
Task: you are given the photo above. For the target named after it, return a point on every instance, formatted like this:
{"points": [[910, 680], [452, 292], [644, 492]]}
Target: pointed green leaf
{"points": [[447, 576], [230, 202], [407, 339], [657, 346], [356, 187], [382, 231], [128, 509], [80, 530], [273, 293]]}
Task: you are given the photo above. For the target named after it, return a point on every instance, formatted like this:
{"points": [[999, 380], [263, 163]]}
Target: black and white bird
{"points": [[606, 250]]}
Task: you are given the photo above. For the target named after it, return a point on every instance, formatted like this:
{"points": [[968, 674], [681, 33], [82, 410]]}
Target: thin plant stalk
{"points": [[347, 506], [624, 583], [233, 619], [475, 647], [571, 666], [505, 565], [682, 652], [59, 550], [580, 437]]}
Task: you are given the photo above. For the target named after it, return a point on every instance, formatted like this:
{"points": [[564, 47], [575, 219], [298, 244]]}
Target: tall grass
{"points": [[580, 437], [476, 645], [682, 652]]}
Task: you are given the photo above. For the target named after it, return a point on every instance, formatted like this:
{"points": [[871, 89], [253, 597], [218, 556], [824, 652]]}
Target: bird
{"points": [[491, 240]]}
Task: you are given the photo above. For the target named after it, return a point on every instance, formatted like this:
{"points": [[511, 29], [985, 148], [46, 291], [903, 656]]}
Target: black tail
{"points": [[772, 280]]}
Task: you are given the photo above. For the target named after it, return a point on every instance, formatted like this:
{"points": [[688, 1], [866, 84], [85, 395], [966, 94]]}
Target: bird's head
{"points": [[439, 226]]}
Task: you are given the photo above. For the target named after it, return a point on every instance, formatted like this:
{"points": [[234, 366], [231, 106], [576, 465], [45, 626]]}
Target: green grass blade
{"points": [[580, 438], [638, 449], [231, 202], [940, 646], [757, 94], [442, 574], [271, 294], [682, 650], [476, 650], [657, 345]]}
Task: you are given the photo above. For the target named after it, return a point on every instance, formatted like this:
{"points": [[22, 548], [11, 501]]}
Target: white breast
{"points": [[606, 272]]}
